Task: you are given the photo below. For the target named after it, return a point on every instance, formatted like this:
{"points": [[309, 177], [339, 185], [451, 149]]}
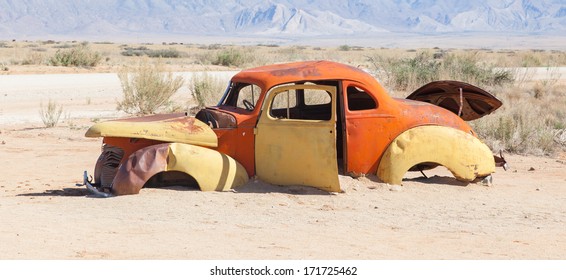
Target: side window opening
{"points": [[248, 96], [302, 104], [359, 99], [283, 103], [242, 95], [316, 97]]}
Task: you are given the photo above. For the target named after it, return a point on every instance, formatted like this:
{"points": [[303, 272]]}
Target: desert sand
{"points": [[44, 215]]}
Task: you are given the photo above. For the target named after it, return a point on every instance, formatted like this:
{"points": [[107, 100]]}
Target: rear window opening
{"points": [[359, 100]]}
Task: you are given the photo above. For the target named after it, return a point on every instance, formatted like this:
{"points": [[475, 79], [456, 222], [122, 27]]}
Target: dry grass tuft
{"points": [[50, 114], [531, 121], [206, 89], [147, 88]]}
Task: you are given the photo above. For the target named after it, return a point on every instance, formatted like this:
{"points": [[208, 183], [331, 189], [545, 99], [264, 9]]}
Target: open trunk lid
{"points": [[163, 127], [467, 101]]}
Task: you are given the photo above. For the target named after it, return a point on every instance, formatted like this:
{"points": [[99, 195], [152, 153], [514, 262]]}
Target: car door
{"points": [[296, 142]]}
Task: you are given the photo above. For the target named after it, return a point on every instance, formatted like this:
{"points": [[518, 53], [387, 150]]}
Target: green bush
{"points": [[230, 57], [169, 53], [79, 56], [147, 88], [344, 48], [141, 51]]}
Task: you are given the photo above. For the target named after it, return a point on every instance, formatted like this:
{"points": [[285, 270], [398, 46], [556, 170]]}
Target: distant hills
{"points": [[271, 18]]}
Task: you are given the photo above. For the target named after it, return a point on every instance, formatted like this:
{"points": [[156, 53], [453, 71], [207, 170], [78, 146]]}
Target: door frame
{"points": [[297, 151]]}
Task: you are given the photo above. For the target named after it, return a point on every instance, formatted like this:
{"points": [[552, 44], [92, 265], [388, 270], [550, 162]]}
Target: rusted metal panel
{"points": [[167, 128], [140, 166], [465, 100]]}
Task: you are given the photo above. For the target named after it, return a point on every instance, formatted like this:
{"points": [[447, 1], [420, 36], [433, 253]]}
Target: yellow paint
{"points": [[297, 152], [461, 153], [168, 131], [212, 170]]}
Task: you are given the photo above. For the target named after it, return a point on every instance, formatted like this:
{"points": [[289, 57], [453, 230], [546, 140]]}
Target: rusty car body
{"points": [[298, 123]]}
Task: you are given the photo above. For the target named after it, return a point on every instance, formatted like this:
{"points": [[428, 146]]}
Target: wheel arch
{"points": [[212, 170], [464, 155]]}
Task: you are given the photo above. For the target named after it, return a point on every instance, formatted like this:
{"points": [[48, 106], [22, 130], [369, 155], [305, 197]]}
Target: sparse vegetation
{"points": [[206, 89], [79, 56], [64, 46], [230, 57], [50, 114], [344, 48], [410, 73], [169, 53], [525, 124], [138, 51], [147, 87], [33, 58], [144, 51]]}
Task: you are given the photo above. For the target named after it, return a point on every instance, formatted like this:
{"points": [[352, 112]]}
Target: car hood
{"points": [[458, 97], [176, 127]]}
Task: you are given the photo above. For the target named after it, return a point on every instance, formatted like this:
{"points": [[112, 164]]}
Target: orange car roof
{"points": [[271, 75]]}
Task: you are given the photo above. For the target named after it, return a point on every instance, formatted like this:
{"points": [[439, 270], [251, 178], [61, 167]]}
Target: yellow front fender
{"points": [[212, 170], [461, 153]]}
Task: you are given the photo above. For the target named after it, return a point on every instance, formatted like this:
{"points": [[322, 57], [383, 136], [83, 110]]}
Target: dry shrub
{"points": [[230, 57], [50, 114], [147, 88], [206, 89], [529, 122], [144, 51], [79, 56], [33, 58], [412, 72]]}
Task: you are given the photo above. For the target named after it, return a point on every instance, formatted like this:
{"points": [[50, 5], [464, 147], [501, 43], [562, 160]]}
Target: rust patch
{"points": [[303, 71], [186, 124], [139, 167], [465, 100]]}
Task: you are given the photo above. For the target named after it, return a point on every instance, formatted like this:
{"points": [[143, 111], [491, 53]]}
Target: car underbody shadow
{"points": [[258, 186], [181, 188], [438, 180]]}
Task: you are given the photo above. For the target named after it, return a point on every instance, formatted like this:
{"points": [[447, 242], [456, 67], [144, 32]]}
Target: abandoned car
{"points": [[298, 124]]}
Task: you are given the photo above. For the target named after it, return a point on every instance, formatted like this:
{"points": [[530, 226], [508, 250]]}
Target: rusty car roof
{"points": [[271, 75]]}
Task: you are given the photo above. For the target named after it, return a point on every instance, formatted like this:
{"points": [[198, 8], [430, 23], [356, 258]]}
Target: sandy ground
{"points": [[45, 216]]}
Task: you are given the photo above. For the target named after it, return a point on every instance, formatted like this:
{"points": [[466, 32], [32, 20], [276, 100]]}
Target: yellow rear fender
{"points": [[212, 170], [461, 153]]}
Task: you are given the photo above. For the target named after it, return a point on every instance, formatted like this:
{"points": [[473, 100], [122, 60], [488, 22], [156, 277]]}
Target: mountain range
{"points": [[295, 18]]}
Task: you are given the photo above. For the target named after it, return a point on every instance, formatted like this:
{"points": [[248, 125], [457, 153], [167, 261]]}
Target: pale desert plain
{"points": [[44, 215]]}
